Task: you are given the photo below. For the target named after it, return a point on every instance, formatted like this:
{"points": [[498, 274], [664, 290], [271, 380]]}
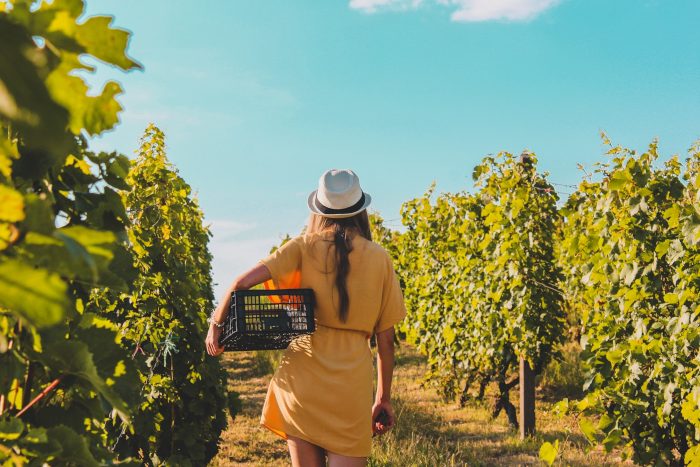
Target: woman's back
{"points": [[308, 261]]}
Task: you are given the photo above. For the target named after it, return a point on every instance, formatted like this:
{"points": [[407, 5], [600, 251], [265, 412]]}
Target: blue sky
{"points": [[259, 98]]}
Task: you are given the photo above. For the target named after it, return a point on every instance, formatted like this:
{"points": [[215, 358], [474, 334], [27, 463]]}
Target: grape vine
{"points": [[470, 267], [87, 288], [631, 243], [163, 321], [62, 233], [506, 273]]}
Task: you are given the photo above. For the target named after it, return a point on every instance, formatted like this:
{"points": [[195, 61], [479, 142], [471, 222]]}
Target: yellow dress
{"points": [[322, 391]]}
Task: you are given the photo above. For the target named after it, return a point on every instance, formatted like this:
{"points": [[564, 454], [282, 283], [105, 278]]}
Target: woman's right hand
{"points": [[379, 428], [213, 336], [255, 276]]}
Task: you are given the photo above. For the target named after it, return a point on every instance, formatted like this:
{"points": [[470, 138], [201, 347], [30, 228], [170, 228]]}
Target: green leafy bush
{"points": [[62, 232], [266, 362], [631, 243], [163, 321], [472, 269]]}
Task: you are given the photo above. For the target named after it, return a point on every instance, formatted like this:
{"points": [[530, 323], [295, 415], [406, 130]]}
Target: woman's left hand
{"points": [[379, 428], [213, 336]]}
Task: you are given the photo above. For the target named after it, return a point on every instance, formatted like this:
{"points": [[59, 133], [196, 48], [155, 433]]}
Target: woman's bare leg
{"points": [[336, 460], [305, 454]]}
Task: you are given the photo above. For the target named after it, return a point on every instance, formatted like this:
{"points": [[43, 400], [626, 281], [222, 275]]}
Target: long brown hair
{"points": [[342, 229]]}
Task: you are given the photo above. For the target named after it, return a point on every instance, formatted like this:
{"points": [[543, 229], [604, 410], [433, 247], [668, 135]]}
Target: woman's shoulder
{"points": [[374, 250], [292, 243]]}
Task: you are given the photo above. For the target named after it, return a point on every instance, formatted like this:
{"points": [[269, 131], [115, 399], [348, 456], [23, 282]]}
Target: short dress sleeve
{"points": [[285, 265], [393, 308]]}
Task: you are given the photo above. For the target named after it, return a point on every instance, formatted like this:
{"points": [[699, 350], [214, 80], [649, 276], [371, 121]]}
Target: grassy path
{"points": [[429, 431]]}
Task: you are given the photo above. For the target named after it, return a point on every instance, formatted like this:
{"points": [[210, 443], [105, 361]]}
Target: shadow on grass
{"points": [[431, 432], [420, 439], [254, 364], [408, 358]]}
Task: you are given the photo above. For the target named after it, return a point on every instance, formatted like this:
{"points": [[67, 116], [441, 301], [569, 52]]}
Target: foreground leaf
{"points": [[548, 453], [588, 429], [74, 448], [33, 293], [74, 358]]}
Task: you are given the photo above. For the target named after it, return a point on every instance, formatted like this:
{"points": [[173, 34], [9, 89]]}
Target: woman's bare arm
{"points": [[248, 280], [385, 372], [253, 277]]}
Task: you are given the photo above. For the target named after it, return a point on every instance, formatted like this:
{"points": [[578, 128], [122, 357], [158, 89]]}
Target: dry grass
{"points": [[429, 432], [245, 441]]}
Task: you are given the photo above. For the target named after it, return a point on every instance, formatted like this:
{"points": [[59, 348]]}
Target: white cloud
{"points": [[467, 10], [483, 10], [371, 6]]}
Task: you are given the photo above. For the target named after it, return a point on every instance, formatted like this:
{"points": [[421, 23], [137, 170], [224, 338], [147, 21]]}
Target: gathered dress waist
{"points": [[363, 333]]}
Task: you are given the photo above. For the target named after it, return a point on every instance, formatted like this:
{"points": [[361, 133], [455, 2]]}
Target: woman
{"points": [[320, 399]]}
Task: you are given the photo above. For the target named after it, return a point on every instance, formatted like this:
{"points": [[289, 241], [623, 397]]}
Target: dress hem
{"points": [[279, 433], [283, 434]]}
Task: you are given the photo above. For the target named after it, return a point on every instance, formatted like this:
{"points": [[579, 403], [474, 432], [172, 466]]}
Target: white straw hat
{"points": [[339, 195]]}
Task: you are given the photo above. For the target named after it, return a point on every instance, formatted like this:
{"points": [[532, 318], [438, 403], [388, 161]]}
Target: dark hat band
{"points": [[352, 208]]}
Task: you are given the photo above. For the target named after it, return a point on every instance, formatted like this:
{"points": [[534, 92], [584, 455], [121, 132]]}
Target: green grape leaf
{"points": [[36, 436], [24, 99], [605, 421], [612, 440], [110, 359], [548, 452], [38, 215], [671, 298], [117, 172], [77, 251], [692, 457], [75, 358], [11, 429], [94, 114], [587, 429], [92, 256], [74, 449], [448, 334], [11, 204], [105, 43], [34, 294], [619, 181], [662, 247], [690, 410]]}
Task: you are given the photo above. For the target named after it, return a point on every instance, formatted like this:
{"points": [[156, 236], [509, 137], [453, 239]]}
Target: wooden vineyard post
{"points": [[527, 399], [527, 376]]}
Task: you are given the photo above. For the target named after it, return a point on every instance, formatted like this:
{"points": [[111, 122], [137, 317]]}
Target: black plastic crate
{"points": [[267, 319]]}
